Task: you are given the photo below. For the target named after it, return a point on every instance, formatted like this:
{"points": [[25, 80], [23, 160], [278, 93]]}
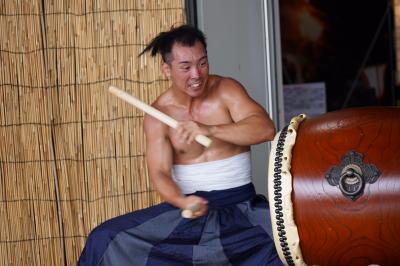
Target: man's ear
{"points": [[166, 69]]}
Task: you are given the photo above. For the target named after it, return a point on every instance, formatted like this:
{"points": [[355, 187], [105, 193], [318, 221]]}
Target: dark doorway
{"points": [[347, 45]]}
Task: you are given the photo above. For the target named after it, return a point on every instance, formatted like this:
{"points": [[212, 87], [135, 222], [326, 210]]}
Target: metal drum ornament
{"points": [[334, 188]]}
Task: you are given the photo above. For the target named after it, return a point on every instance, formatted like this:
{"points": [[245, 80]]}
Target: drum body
{"points": [[344, 173]]}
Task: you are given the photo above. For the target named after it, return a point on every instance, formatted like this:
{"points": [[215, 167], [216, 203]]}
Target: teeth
{"points": [[195, 85]]}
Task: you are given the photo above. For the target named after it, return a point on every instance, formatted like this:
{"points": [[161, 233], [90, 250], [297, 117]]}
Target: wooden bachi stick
{"points": [[203, 140]]}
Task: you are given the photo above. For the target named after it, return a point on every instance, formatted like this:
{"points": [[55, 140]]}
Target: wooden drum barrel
{"points": [[334, 188]]}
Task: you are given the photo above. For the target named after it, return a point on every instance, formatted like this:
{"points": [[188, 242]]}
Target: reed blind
{"points": [[71, 154]]}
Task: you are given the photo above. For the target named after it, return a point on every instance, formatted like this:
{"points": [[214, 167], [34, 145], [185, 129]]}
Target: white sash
{"points": [[222, 174]]}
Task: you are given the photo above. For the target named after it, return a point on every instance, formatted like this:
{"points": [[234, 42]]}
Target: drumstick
{"points": [[203, 140]]}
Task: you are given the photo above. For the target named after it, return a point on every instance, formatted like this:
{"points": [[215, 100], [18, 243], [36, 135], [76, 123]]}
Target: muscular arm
{"points": [[251, 123], [159, 156]]}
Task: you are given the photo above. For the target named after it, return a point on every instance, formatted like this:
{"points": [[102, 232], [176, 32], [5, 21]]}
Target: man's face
{"points": [[188, 69]]}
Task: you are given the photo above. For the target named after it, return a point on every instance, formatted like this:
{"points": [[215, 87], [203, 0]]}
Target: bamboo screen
{"points": [[71, 154]]}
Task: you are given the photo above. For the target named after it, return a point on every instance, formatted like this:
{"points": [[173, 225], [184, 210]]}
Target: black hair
{"points": [[163, 42]]}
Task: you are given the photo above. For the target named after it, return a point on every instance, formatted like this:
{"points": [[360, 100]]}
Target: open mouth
{"points": [[195, 85]]}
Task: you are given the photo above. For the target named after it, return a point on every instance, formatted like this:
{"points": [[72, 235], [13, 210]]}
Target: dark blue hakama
{"points": [[235, 231]]}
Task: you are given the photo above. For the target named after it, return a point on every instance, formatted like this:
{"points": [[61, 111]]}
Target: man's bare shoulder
{"points": [[160, 103], [228, 87], [163, 100]]}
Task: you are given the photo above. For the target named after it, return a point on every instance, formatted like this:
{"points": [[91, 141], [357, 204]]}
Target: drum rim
{"points": [[284, 229]]}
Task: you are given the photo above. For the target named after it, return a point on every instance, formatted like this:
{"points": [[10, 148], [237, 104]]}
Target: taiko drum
{"points": [[334, 188]]}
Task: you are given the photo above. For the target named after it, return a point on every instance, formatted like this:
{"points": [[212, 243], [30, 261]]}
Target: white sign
{"points": [[305, 98]]}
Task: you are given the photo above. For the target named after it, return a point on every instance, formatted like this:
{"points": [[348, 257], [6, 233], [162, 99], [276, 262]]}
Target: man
{"points": [[230, 224]]}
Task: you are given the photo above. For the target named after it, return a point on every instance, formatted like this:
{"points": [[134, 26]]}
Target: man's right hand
{"points": [[197, 205], [188, 130]]}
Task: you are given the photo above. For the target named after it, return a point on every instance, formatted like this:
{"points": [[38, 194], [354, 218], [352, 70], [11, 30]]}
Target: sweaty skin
{"points": [[214, 106]]}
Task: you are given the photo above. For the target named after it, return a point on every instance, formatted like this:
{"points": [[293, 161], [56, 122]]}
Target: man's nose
{"points": [[195, 72]]}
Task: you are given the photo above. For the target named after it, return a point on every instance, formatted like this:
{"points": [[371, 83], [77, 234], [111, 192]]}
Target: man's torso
{"points": [[209, 110]]}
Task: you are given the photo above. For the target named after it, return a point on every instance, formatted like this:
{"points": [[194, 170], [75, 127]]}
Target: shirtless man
{"points": [[231, 225], [204, 104]]}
